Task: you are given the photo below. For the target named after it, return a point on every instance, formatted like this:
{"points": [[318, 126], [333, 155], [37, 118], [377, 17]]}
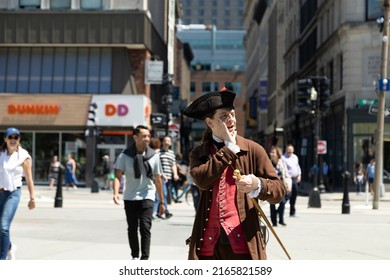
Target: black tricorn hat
{"points": [[207, 103]]}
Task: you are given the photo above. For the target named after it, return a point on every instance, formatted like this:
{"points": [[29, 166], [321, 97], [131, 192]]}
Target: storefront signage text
{"points": [[33, 109], [120, 110]]}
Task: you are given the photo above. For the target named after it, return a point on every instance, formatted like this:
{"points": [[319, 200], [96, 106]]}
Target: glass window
{"points": [[82, 71], [192, 89], [12, 71], [374, 9], [46, 146], [47, 70], [105, 71], [93, 70], [29, 3], [3, 65], [70, 70], [206, 87], [91, 4], [59, 68], [24, 69], [35, 70], [60, 4], [234, 86]]}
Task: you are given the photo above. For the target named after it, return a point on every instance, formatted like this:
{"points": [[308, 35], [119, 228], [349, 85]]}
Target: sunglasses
{"points": [[13, 137]]}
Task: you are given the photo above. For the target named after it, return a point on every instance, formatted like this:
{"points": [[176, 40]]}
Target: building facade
{"points": [[59, 57], [339, 40]]}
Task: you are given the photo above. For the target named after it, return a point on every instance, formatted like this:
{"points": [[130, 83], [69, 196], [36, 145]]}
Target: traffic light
{"points": [[92, 118], [304, 103], [324, 90]]}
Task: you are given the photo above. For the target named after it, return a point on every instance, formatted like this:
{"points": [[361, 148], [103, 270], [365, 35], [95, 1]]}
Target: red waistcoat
{"points": [[223, 213]]}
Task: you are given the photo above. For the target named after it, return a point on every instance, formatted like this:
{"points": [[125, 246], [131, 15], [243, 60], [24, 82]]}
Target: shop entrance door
{"points": [[111, 150]]}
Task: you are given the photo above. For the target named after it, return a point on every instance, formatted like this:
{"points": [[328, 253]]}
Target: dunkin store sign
{"points": [[122, 110], [33, 109]]}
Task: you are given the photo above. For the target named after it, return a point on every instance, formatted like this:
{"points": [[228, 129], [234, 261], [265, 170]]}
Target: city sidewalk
{"points": [[90, 227]]}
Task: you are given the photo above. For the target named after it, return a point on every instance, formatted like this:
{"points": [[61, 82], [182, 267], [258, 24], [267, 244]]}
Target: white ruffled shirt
{"points": [[11, 169]]}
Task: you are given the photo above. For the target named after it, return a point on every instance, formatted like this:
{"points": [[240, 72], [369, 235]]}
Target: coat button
{"points": [[201, 239], [238, 235], [230, 162]]}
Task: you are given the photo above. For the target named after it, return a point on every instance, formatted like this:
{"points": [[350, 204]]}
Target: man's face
{"points": [[290, 150], [227, 116], [142, 140]]}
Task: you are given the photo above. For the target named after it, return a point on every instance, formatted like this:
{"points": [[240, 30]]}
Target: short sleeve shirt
{"points": [[143, 187], [11, 169]]}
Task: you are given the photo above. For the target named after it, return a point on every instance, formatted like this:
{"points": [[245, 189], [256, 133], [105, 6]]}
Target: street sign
{"points": [[384, 85], [373, 110], [362, 102], [158, 119], [321, 147]]}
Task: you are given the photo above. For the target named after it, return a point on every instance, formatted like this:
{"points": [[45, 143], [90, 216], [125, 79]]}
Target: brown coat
{"points": [[206, 169]]}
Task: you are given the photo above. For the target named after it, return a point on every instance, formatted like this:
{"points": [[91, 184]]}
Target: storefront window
{"points": [[47, 145]]}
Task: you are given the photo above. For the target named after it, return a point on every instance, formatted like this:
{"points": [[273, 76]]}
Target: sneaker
{"points": [[135, 259], [11, 253], [168, 215]]}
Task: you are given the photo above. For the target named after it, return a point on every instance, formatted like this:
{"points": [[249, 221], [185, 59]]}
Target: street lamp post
{"points": [[314, 196]]}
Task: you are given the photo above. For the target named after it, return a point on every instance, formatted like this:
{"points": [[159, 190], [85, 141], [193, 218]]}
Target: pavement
{"points": [[89, 226]]}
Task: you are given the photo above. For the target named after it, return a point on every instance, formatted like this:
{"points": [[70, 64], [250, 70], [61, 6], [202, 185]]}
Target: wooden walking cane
{"points": [[262, 215]]}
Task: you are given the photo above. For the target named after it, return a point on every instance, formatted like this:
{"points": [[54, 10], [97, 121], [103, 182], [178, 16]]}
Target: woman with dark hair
{"points": [[275, 154], [15, 163]]}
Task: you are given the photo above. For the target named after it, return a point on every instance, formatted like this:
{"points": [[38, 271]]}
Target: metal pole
{"points": [[314, 195], [345, 208], [381, 108], [58, 198]]}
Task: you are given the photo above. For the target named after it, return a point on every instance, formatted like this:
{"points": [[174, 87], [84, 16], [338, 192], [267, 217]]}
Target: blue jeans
{"points": [[9, 202], [157, 199]]}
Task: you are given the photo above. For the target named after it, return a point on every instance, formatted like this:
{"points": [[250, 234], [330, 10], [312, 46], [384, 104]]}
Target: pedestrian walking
{"points": [[155, 144], [292, 163], [168, 162], [226, 223], [358, 177], [15, 163], [275, 154], [70, 173], [371, 174], [54, 169], [141, 166], [107, 172]]}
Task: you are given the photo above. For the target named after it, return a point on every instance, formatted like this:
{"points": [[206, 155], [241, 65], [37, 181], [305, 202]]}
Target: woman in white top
{"points": [[15, 163]]}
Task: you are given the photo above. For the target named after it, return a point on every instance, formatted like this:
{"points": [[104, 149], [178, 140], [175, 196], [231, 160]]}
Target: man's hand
{"points": [[245, 183], [116, 199], [161, 209], [221, 131]]}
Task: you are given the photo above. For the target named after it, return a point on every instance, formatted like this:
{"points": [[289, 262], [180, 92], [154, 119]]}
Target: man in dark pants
{"points": [[292, 163], [142, 169]]}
